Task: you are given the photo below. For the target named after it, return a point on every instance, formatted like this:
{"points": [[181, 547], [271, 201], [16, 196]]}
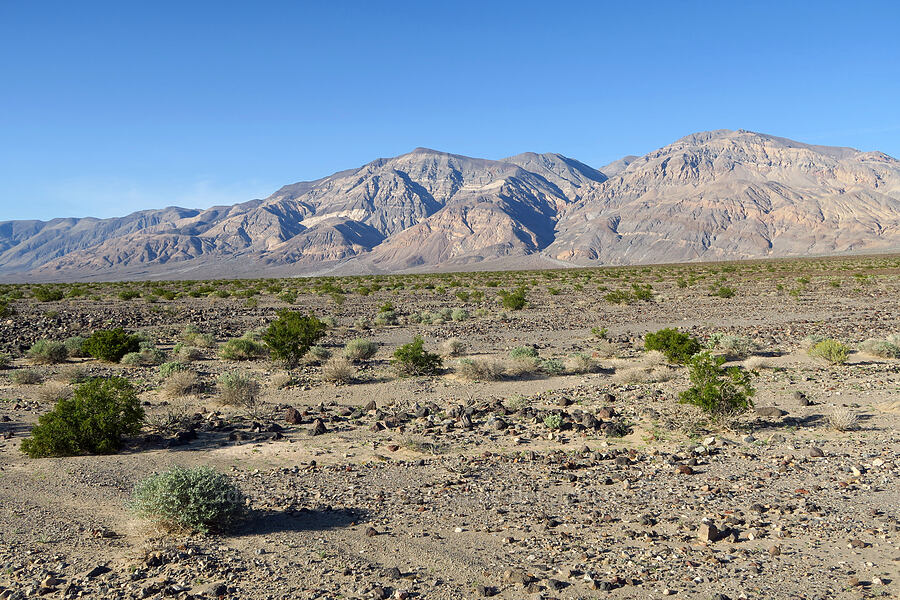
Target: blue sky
{"points": [[111, 107]]}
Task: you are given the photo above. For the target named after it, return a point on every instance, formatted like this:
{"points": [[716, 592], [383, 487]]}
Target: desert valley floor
{"points": [[575, 475]]}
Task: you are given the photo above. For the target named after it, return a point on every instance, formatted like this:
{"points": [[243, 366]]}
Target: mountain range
{"points": [[717, 195]]}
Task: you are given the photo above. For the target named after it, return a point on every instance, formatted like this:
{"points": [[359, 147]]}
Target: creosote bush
{"points": [[93, 421], [360, 349], [292, 334], [678, 347], [831, 351], [48, 352], [26, 377], [515, 300], [196, 499], [412, 359], [111, 344], [719, 392]]}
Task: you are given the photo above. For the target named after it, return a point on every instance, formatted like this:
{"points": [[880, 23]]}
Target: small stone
{"points": [[97, 571], [708, 532], [769, 411], [371, 532], [816, 452], [293, 416], [319, 427], [685, 470], [486, 591], [775, 551]]}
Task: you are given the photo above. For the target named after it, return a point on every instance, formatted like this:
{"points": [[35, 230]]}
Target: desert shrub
{"points": [[54, 392], [831, 351], [811, 340], [5, 360], [733, 347], [241, 348], [181, 383], [600, 333], [459, 314], [75, 346], [480, 369], [880, 348], [47, 294], [552, 366], [618, 297], [412, 359], [445, 314], [26, 377], [843, 419], [167, 368], [360, 349], [48, 352], [642, 292], [723, 291], [129, 294], [5, 309], [338, 370], [92, 421], [717, 391], [454, 347], [237, 389], [678, 347], [146, 357], [515, 300], [111, 344], [291, 335], [199, 499], [385, 317], [579, 363], [523, 352], [318, 353], [553, 421], [186, 353]]}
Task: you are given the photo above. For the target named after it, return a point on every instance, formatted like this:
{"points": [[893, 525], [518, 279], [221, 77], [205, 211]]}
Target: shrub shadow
{"points": [[265, 522]]}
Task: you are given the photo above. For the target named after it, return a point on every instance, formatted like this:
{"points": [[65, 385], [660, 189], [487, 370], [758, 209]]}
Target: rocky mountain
{"points": [[709, 196]]}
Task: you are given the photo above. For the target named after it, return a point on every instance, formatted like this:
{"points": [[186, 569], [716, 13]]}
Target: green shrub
{"points": [[146, 357], [48, 352], [198, 499], [92, 421], [513, 300], [553, 421], [319, 353], [5, 360], [723, 292], [642, 292], [880, 348], [5, 309], [241, 348], [717, 391], [75, 346], [292, 334], [129, 294], [678, 347], [111, 344], [360, 349], [168, 368], [47, 294], [600, 332], [412, 359], [830, 350], [523, 352], [552, 366], [618, 297], [459, 314]]}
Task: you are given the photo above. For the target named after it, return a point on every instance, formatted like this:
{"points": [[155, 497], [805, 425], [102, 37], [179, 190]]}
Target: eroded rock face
{"points": [[708, 196]]}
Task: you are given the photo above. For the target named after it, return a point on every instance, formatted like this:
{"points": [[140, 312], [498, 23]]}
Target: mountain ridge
{"points": [[712, 195]]}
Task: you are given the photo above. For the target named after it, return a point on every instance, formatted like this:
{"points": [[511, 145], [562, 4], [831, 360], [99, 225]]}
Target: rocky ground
{"points": [[438, 487]]}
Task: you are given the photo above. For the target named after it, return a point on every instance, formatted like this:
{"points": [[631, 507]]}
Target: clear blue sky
{"points": [[109, 107]]}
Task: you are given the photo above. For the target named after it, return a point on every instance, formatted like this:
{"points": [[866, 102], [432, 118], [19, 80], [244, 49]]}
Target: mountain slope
{"points": [[708, 196]]}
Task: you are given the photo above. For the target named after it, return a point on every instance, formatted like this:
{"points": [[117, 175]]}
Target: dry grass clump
{"points": [[754, 363], [237, 389], [523, 367], [54, 391], [606, 349], [181, 383], [185, 353], [733, 347], [338, 370], [26, 377], [72, 374], [581, 363], [281, 380], [480, 369], [651, 368], [843, 419], [453, 347]]}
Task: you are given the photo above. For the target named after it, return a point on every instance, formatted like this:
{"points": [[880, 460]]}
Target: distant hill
{"points": [[708, 196]]}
